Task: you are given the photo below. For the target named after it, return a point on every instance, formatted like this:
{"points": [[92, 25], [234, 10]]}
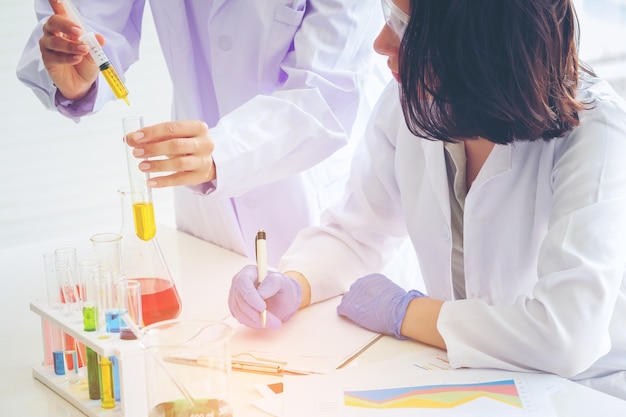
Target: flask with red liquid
{"points": [[143, 261]]}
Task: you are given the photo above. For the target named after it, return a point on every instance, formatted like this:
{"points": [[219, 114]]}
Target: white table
{"points": [[202, 273]]}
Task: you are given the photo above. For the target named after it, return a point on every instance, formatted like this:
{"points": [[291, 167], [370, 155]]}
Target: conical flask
{"points": [[143, 261]]}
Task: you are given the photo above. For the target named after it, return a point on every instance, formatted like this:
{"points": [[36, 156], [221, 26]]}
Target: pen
{"points": [[261, 264], [271, 368]]}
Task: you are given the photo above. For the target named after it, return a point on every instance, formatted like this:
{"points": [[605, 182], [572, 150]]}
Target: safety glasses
{"points": [[395, 18]]}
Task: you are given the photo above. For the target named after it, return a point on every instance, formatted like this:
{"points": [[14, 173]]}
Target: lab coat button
{"points": [[445, 231], [224, 43]]}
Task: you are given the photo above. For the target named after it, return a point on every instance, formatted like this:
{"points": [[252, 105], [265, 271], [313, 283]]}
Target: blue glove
{"points": [[377, 303], [280, 294]]}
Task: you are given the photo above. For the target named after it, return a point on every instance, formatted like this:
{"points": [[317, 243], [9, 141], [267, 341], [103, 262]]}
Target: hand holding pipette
{"points": [[64, 46]]}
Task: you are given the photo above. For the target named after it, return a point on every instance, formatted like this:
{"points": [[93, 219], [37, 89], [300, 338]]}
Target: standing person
{"points": [[266, 97], [504, 161]]}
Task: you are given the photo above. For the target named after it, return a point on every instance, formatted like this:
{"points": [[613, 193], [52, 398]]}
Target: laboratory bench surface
{"points": [[200, 270]]}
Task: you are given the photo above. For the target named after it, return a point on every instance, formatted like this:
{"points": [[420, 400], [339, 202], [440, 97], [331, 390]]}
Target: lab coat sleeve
{"points": [[359, 235], [311, 115], [564, 326], [118, 22]]}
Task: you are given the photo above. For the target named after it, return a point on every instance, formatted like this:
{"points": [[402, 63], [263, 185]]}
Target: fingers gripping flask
{"points": [[143, 261]]}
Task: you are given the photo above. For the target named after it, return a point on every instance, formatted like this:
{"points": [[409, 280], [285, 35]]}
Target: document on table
{"points": [[401, 388], [316, 340]]}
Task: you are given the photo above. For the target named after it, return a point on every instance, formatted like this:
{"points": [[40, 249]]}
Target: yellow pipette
{"points": [[97, 54]]}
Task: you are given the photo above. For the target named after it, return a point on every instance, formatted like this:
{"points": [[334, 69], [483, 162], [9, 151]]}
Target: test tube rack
{"points": [[130, 358]]}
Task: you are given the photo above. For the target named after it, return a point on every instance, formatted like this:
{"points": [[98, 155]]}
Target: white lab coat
{"points": [[281, 83], [544, 239]]}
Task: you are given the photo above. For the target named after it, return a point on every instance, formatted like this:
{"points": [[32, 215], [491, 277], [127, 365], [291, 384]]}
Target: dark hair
{"points": [[504, 70]]}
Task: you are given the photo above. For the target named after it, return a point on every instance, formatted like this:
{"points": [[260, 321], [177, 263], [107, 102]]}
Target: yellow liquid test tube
{"points": [[106, 383], [145, 225], [141, 194]]}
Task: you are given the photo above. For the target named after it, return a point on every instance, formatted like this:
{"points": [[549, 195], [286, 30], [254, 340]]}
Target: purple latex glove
{"points": [[280, 294], [377, 303]]}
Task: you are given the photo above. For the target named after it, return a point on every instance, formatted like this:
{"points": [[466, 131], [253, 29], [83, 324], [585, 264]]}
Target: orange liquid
{"points": [[159, 300]]}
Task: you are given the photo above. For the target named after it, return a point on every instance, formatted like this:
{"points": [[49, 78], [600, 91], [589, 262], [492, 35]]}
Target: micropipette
{"points": [[141, 194], [97, 53]]}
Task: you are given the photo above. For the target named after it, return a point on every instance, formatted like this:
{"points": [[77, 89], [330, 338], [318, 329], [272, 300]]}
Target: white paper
{"points": [[315, 340], [400, 388]]}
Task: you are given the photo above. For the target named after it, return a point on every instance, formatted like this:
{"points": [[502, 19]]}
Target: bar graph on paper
{"points": [[506, 397]]}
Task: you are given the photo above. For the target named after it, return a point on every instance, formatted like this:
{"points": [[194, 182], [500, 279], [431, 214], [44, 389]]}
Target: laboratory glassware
{"points": [[143, 208], [89, 272], [93, 374], [70, 354], [97, 53], [66, 278], [188, 368], [143, 261], [130, 296], [52, 285], [107, 247], [107, 400]]}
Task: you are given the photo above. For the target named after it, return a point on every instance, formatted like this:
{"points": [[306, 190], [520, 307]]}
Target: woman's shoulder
{"points": [[600, 97]]}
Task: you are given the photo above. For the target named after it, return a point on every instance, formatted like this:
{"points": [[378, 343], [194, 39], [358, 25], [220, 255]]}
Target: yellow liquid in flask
{"points": [[143, 215]]}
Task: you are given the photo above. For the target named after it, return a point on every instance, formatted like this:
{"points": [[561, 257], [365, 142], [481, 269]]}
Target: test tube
{"points": [[67, 284], [52, 285], [57, 351], [90, 277], [93, 374], [110, 302], [106, 383], [130, 299], [70, 353], [97, 53], [115, 369], [141, 194]]}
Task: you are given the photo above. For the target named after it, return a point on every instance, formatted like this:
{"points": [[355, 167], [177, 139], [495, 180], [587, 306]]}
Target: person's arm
{"points": [[49, 64], [311, 115], [304, 284], [360, 234], [420, 321]]}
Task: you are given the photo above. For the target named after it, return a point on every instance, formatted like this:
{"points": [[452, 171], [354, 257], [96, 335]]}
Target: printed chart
{"points": [[435, 396]]}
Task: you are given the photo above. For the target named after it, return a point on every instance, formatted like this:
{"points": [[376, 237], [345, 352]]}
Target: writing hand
{"points": [[280, 294]]}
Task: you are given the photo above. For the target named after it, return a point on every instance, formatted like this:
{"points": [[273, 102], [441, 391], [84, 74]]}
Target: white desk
{"points": [[202, 273]]}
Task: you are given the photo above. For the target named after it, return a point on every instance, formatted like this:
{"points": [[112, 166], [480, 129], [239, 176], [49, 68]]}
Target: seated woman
{"points": [[503, 160]]}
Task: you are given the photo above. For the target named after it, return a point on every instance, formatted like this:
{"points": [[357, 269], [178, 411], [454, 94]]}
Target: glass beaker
{"points": [[188, 368], [143, 261]]}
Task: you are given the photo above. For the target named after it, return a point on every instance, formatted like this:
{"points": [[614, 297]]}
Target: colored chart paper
{"points": [[434, 396]]}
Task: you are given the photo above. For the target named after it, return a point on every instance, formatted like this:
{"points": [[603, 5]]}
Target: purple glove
{"points": [[280, 294], [377, 303]]}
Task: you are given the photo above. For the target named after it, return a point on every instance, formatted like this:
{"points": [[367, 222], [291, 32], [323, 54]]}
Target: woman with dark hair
{"points": [[503, 160]]}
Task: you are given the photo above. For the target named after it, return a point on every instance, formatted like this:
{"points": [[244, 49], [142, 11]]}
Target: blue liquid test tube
{"points": [[58, 360], [117, 394]]}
